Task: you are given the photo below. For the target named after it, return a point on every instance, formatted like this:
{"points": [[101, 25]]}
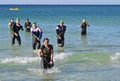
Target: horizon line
{"points": [[60, 4]]}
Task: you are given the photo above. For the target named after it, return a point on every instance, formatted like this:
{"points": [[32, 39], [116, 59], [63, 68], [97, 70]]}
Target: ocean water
{"points": [[95, 57]]}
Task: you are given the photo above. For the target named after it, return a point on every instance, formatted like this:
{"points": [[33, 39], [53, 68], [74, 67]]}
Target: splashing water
{"points": [[22, 60], [115, 58], [42, 71], [25, 60]]}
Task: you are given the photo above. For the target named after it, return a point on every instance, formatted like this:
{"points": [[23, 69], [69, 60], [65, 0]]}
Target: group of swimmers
{"points": [[46, 50]]}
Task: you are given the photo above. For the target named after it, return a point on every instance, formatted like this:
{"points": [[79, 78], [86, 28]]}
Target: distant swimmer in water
{"points": [[16, 28], [28, 25], [10, 26], [46, 53], [60, 31], [84, 26], [36, 36]]}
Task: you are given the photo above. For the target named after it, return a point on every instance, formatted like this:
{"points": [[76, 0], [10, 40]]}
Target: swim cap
{"points": [[61, 21], [17, 18], [83, 20], [34, 24]]}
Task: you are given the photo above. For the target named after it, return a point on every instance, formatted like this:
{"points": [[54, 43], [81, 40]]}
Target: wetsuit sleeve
{"points": [[51, 53], [21, 27], [57, 30], [13, 28], [40, 34], [52, 47], [64, 29], [33, 33]]}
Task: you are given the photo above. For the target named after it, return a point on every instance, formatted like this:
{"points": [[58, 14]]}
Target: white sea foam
{"points": [[115, 57], [42, 71], [25, 60], [61, 56], [22, 60]]}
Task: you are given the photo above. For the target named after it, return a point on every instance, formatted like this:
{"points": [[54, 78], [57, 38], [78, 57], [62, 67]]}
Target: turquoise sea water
{"points": [[95, 57]]}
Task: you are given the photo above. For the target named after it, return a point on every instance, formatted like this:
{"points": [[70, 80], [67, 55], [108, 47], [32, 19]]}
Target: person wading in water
{"points": [[28, 25], [60, 31], [46, 53], [36, 37], [84, 26], [15, 31]]}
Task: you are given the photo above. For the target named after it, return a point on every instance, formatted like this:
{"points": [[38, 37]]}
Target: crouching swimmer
{"points": [[46, 53]]}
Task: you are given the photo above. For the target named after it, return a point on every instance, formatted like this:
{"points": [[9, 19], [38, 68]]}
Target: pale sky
{"points": [[60, 2]]}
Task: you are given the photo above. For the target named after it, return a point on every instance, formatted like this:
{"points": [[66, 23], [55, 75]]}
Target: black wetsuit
{"points": [[28, 24], [16, 29], [60, 31], [46, 56], [84, 29]]}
